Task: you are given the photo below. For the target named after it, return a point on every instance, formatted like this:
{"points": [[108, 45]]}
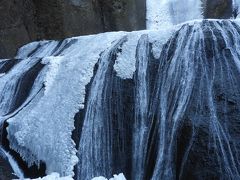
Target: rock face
{"points": [[16, 26], [217, 9], [23, 21]]}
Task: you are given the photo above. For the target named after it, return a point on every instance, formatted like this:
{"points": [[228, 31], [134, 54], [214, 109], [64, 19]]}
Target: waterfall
{"points": [[163, 13], [31, 95], [98, 123], [192, 75], [149, 104], [236, 6], [182, 109], [141, 108], [14, 88]]}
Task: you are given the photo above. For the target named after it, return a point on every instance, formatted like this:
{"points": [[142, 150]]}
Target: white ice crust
{"points": [[41, 128]]}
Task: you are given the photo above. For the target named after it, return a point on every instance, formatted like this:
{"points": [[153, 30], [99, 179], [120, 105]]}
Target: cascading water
{"points": [[163, 13], [98, 123], [151, 104], [141, 124], [178, 111]]}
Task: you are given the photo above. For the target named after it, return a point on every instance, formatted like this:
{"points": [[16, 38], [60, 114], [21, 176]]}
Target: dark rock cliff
{"points": [[217, 9], [17, 27], [23, 21]]}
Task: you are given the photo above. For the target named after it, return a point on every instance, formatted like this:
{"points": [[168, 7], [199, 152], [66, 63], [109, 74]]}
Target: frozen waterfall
{"points": [[163, 13], [153, 104]]}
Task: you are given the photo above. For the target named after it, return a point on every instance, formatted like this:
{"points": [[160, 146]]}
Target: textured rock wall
{"points": [[217, 9], [16, 25], [23, 21]]}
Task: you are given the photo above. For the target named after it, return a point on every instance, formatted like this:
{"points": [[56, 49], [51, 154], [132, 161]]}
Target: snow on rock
{"points": [[37, 49], [125, 62], [115, 177], [118, 177]]}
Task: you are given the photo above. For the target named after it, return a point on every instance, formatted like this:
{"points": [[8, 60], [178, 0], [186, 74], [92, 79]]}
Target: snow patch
{"points": [[115, 177]]}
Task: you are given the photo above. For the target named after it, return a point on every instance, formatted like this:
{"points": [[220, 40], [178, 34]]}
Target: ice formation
{"points": [[136, 92], [164, 13], [57, 73], [51, 139]]}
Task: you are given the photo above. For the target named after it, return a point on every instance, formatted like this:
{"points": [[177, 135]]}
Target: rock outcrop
{"points": [[217, 9], [23, 21], [17, 26]]}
